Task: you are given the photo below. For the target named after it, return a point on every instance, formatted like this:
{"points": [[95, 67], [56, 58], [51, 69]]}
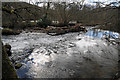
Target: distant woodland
{"points": [[19, 15]]}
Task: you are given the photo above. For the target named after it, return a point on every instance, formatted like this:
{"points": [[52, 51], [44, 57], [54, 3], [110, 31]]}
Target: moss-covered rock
{"points": [[7, 31], [8, 70], [8, 49], [8, 46]]}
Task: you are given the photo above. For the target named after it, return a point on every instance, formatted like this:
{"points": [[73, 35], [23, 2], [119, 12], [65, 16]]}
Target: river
{"points": [[72, 55]]}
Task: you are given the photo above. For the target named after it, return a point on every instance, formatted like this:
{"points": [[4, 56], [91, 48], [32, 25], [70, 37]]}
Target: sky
{"points": [[104, 1], [90, 2]]}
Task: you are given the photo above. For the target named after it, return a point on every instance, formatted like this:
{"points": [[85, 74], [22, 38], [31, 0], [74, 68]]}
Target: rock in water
{"points": [[18, 65], [8, 46]]}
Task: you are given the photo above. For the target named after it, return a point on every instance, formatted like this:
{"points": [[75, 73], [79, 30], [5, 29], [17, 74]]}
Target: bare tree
{"points": [[66, 11]]}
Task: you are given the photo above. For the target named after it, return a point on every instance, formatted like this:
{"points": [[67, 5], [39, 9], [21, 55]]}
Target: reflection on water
{"points": [[101, 33], [65, 56]]}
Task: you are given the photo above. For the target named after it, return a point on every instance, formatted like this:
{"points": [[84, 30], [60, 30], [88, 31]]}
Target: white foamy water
{"points": [[63, 56]]}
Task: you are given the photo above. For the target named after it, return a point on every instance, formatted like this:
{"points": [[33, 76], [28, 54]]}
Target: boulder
{"points": [[8, 46], [8, 71], [7, 31], [8, 49]]}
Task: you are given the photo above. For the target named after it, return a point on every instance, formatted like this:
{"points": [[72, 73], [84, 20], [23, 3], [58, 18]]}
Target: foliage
{"points": [[62, 12]]}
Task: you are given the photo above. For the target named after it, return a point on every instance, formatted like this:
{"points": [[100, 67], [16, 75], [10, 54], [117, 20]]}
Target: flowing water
{"points": [[72, 55]]}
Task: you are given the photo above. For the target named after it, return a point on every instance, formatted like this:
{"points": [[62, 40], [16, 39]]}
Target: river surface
{"points": [[72, 55]]}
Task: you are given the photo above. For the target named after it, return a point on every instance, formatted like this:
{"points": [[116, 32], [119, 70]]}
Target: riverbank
{"points": [[51, 30], [54, 31], [114, 28]]}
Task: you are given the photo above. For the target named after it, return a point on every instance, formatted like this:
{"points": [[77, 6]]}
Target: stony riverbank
{"points": [[51, 30]]}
